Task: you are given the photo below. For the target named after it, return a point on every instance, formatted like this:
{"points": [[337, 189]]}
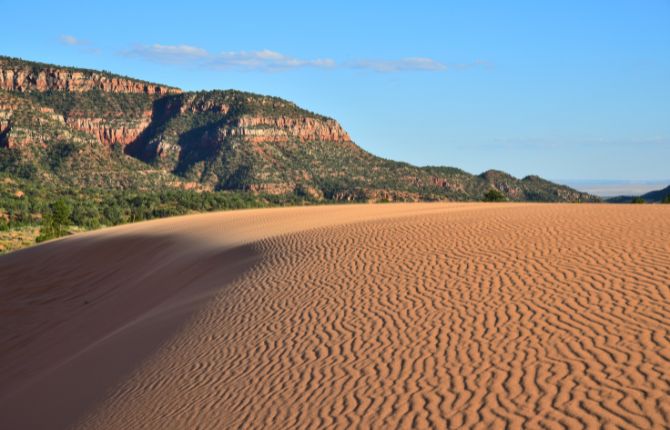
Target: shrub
{"points": [[55, 221], [86, 214], [637, 200], [666, 199], [494, 195], [114, 214]]}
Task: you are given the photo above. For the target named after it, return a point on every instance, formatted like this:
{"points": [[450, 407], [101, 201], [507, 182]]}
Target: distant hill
{"points": [[112, 149], [86, 128], [650, 197]]}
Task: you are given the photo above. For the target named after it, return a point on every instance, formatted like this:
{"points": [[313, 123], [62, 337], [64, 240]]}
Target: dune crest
{"points": [[366, 316]]}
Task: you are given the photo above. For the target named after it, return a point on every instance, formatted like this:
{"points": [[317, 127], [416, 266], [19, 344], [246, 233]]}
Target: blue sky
{"points": [[564, 89]]}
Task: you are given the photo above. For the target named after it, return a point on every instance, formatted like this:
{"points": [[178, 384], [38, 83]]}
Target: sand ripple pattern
{"points": [[510, 317]]}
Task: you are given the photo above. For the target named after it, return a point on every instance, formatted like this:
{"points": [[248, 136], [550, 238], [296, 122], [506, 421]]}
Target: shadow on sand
{"points": [[80, 314]]}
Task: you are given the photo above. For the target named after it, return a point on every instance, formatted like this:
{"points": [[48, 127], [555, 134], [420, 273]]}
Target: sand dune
{"points": [[367, 316]]}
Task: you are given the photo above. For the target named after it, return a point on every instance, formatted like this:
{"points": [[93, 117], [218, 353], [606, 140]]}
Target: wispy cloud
{"points": [[67, 39], [272, 61], [171, 54], [414, 64], [404, 64], [82, 44], [265, 60]]}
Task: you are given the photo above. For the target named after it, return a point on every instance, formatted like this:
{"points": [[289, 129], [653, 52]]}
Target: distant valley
{"points": [[656, 196], [607, 188]]}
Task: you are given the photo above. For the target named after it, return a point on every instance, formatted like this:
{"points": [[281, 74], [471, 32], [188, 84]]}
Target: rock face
{"points": [[109, 132], [24, 76], [280, 129], [264, 124], [5, 125], [23, 123], [226, 116]]}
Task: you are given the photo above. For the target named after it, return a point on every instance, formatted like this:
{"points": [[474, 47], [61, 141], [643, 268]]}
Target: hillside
{"points": [[656, 196], [82, 134]]}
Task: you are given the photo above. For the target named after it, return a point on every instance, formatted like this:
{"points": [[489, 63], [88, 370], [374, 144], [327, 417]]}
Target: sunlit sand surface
{"points": [[408, 316]]}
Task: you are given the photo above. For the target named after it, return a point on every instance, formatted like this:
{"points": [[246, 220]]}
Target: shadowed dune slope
{"points": [[368, 316]]}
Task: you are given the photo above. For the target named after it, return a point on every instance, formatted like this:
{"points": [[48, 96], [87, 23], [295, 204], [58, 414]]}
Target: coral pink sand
{"points": [[360, 316]]}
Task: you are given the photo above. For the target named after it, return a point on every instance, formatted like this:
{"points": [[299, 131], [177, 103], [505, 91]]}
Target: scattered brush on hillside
{"points": [[25, 206], [117, 150]]}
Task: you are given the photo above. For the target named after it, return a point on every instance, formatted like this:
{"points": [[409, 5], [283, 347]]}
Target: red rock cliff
{"points": [[267, 129], [26, 78], [110, 130]]}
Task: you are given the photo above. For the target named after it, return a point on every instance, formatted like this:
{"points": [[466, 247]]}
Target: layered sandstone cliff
{"points": [[111, 130], [29, 77], [272, 129], [256, 117]]}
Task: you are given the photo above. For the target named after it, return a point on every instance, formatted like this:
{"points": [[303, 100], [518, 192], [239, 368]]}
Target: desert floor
{"points": [[357, 316]]}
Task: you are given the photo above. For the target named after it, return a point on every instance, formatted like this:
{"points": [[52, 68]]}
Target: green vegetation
{"points": [[95, 104], [164, 155], [193, 137], [245, 103], [666, 199], [24, 205], [637, 200], [55, 220], [494, 195]]}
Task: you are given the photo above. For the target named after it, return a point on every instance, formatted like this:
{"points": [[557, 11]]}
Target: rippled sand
{"points": [[366, 316]]}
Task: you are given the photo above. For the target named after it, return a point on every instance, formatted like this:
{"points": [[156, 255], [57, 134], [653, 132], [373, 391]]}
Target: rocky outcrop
{"points": [[198, 105], [503, 182], [447, 183], [375, 196], [272, 129], [22, 123], [7, 108], [272, 188], [14, 137], [257, 128], [26, 78], [112, 131]]}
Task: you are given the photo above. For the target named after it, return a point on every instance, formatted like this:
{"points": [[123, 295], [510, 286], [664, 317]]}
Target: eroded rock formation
{"points": [[270, 129], [27, 78], [112, 131]]}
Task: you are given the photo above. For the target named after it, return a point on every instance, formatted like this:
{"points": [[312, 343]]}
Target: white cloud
{"points": [[68, 39], [81, 44], [167, 53], [270, 61], [265, 60]]}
